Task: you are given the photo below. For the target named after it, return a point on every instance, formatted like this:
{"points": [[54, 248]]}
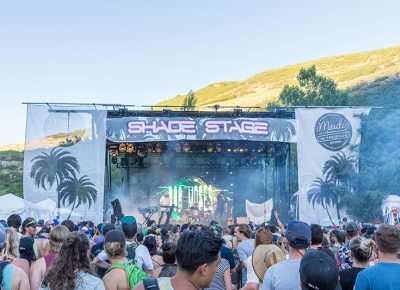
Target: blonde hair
{"points": [[57, 236], [114, 249], [361, 249], [12, 243]]}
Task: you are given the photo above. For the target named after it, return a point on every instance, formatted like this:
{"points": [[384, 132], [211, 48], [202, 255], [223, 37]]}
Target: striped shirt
{"points": [[218, 282]]}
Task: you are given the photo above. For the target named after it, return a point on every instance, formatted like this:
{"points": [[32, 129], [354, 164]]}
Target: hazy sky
{"points": [[141, 52]]}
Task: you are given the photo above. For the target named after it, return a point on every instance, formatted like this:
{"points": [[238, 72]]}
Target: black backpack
{"points": [[150, 284], [3, 264], [131, 248]]}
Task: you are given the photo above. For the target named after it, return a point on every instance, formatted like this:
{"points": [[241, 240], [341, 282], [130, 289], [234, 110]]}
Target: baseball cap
{"points": [[26, 248], [107, 227], [2, 237], [129, 220], [298, 233], [217, 229], [319, 271], [29, 222], [352, 227], [264, 256]]}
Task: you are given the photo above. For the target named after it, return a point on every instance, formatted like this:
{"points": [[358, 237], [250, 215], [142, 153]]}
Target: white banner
{"points": [[327, 152], [64, 162]]}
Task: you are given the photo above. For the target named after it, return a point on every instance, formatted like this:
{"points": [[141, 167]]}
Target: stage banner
{"points": [[327, 153], [64, 162], [146, 129]]}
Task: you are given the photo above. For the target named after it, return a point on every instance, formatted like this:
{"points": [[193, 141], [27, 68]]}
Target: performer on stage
{"points": [[221, 210], [165, 200]]}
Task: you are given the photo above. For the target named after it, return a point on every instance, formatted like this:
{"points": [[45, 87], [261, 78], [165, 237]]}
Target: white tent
{"points": [[11, 204]]}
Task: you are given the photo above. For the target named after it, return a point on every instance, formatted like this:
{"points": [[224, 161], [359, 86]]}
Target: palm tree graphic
{"points": [[48, 169], [282, 130], [323, 193], [77, 191], [340, 169]]}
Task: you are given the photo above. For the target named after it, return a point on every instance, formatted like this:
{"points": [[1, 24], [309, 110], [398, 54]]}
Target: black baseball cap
{"points": [[352, 227], [319, 271], [29, 222]]}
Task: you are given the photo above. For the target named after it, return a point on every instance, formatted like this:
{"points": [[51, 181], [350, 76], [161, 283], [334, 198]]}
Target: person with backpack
{"points": [[135, 251], [123, 273], [11, 276]]}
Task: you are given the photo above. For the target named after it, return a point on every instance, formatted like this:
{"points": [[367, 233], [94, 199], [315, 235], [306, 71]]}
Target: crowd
{"points": [[55, 255]]}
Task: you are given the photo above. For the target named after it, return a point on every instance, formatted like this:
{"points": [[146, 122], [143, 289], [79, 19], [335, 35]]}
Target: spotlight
{"points": [[166, 113], [124, 162], [237, 112], [122, 148], [159, 148], [210, 148], [186, 147], [261, 148], [113, 150], [149, 148], [218, 147], [130, 148], [178, 147]]}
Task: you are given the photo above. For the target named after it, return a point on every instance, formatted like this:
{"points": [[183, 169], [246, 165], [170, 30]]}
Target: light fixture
{"points": [[186, 147], [113, 150], [122, 148], [178, 147], [130, 148], [149, 148], [159, 148], [210, 148], [166, 113]]}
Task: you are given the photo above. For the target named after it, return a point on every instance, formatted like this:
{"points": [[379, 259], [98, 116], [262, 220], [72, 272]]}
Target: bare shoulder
{"points": [[115, 279]]}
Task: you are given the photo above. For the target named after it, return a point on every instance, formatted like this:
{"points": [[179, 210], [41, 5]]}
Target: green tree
{"points": [[77, 191], [189, 102], [313, 90], [48, 169], [323, 193]]}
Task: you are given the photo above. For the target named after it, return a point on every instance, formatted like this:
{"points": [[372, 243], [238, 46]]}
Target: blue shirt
{"points": [[380, 276]]}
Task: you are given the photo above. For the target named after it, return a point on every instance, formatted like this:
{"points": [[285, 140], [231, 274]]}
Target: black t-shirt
{"points": [[348, 278], [227, 254], [97, 249]]}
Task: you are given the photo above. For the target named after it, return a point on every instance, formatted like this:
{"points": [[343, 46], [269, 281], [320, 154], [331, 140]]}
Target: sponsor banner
{"points": [[64, 162], [327, 140], [143, 129]]}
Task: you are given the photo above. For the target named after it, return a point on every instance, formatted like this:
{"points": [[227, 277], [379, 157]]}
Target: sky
{"points": [[142, 52]]}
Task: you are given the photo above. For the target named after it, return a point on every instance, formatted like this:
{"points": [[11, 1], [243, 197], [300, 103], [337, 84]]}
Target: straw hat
{"points": [[264, 256]]}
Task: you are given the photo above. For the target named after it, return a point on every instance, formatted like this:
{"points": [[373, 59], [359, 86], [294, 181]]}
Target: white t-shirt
{"points": [[164, 201], [142, 257], [251, 275]]}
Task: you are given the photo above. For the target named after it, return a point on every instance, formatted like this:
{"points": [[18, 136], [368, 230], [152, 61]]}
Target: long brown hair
{"points": [[71, 260]]}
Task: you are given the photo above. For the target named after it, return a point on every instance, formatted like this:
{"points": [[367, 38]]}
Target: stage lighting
{"points": [[130, 148], [261, 148], [186, 147], [113, 150], [124, 162], [237, 112], [218, 147], [210, 148], [114, 160], [122, 148], [166, 113], [140, 153], [159, 148], [178, 147], [149, 148]]}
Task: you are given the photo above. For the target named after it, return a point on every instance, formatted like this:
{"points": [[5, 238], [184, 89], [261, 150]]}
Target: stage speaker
{"points": [[117, 215]]}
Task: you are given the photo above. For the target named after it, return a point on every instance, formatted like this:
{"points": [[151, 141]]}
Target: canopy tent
{"points": [[12, 204]]}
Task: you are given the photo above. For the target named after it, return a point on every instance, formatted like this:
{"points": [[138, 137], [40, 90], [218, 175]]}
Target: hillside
{"points": [[351, 72]]}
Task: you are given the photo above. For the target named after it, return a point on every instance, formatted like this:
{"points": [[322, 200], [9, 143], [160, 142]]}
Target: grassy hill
{"points": [[352, 72]]}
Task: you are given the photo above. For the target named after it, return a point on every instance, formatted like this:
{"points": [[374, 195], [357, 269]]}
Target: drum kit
{"points": [[195, 215]]}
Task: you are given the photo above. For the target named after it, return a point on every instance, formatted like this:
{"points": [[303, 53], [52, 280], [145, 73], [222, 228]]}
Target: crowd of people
{"points": [[64, 255]]}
